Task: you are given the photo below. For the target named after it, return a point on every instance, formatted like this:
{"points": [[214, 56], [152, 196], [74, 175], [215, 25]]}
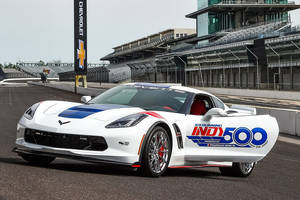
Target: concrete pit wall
{"points": [[288, 120]]}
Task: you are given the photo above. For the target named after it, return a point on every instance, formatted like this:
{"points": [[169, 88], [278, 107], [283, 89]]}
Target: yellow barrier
{"points": [[84, 82]]}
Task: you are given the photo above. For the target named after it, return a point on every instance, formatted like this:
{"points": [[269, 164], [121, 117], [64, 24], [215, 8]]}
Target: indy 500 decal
{"points": [[214, 135]]}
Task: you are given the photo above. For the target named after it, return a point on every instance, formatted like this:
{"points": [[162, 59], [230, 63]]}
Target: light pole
{"points": [[257, 71], [279, 70], [239, 66], [224, 80], [185, 65]]}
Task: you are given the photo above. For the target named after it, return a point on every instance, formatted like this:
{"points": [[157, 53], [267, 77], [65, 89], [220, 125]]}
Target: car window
{"points": [[219, 103], [148, 98], [201, 104]]}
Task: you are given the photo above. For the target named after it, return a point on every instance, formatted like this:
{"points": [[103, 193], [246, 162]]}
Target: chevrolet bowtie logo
{"points": [[81, 54], [62, 123]]}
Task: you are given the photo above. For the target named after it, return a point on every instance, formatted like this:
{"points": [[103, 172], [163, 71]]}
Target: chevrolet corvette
{"points": [[148, 127]]}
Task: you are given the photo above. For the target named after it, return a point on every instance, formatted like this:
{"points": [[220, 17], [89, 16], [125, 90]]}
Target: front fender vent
{"points": [[178, 136]]}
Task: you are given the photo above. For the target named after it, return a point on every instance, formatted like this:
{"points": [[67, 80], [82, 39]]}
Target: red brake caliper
{"points": [[161, 154]]}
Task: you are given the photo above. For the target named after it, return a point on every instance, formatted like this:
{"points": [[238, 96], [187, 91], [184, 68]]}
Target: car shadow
{"points": [[91, 168], [74, 166], [203, 173]]}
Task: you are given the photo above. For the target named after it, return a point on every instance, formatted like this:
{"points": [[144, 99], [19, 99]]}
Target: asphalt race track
{"points": [[276, 177]]}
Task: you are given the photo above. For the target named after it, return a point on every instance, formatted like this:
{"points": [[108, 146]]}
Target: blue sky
{"points": [[33, 30]]}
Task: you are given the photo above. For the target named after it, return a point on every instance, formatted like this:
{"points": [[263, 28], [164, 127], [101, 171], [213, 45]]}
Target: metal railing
{"points": [[251, 2]]}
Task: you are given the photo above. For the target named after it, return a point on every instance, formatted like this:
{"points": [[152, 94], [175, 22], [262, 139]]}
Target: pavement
{"points": [[275, 177]]}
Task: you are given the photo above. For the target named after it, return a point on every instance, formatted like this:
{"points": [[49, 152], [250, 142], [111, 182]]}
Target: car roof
{"points": [[171, 86]]}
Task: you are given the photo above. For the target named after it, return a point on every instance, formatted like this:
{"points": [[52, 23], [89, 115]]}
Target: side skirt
{"points": [[202, 165]]}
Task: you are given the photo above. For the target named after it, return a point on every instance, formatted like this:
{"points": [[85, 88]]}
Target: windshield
{"points": [[148, 98]]}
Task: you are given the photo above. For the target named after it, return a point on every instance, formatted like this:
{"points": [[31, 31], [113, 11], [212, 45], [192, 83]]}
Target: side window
{"points": [[201, 104], [218, 103]]}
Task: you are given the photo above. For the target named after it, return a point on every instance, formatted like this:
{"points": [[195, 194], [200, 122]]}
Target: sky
{"points": [[33, 30]]}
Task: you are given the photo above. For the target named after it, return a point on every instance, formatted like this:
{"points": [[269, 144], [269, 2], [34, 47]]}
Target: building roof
{"points": [[249, 6], [149, 46], [155, 34]]}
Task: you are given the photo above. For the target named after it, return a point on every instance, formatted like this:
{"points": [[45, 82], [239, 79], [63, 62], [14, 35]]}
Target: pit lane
{"points": [[276, 177]]}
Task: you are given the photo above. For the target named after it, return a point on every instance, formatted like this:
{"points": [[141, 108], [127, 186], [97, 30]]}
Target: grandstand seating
{"points": [[8, 73], [109, 73], [250, 33], [35, 69]]}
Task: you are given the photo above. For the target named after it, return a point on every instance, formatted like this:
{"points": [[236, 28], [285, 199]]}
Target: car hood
{"points": [[75, 111], [69, 117]]}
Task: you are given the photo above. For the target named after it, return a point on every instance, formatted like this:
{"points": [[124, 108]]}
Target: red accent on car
{"points": [[141, 145], [207, 131], [153, 114], [135, 166]]}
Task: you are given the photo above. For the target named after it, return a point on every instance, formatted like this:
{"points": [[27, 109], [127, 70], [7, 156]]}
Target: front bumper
{"points": [[70, 155], [122, 148]]}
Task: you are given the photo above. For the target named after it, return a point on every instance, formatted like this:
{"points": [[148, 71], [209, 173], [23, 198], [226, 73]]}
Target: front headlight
{"points": [[127, 121], [29, 113]]}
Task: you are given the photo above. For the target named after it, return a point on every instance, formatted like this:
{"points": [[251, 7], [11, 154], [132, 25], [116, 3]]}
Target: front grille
{"points": [[66, 141]]}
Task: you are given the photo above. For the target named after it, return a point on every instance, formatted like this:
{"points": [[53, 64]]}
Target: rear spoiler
{"points": [[248, 109]]}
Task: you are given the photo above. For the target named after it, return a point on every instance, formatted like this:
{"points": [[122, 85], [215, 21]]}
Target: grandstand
{"points": [[215, 16], [111, 73], [148, 46], [139, 56], [238, 44], [252, 32], [94, 74], [7, 73], [261, 62], [35, 69], [248, 54]]}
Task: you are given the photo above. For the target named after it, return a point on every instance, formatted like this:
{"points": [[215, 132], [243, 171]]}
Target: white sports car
{"points": [[150, 127]]}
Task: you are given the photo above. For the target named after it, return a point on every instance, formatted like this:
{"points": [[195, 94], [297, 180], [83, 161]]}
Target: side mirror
{"points": [[85, 99], [214, 112]]}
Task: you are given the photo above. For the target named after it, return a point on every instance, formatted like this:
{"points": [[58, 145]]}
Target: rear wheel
{"points": [[156, 153], [37, 160], [238, 169]]}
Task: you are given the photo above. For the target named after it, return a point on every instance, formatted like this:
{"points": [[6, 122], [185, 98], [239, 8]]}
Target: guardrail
{"points": [[11, 80], [252, 2]]}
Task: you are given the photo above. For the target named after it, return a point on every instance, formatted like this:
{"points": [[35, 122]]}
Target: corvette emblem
{"points": [[62, 123]]}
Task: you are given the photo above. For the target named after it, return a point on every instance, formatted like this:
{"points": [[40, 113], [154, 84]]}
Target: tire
{"points": [[156, 153], [238, 169], [37, 160]]}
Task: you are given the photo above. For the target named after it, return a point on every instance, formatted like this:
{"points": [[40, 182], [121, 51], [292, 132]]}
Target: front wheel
{"points": [[156, 154], [238, 169], [37, 160]]}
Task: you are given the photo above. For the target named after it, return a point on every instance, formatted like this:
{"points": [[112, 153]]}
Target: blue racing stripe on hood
{"points": [[82, 111]]}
